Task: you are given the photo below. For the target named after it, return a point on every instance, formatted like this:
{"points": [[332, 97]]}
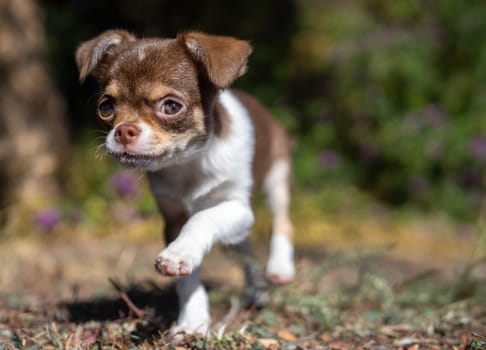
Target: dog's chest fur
{"points": [[223, 169]]}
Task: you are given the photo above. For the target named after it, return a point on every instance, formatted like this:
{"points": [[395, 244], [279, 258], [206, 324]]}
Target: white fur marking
{"points": [[280, 266], [194, 305], [141, 52]]}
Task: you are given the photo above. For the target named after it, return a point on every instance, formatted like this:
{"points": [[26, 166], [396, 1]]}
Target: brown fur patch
{"points": [[271, 141], [221, 121], [223, 58], [159, 91], [113, 89], [174, 218]]}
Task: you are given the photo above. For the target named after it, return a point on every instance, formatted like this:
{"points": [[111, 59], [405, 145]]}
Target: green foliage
{"points": [[386, 95], [315, 307], [394, 88]]}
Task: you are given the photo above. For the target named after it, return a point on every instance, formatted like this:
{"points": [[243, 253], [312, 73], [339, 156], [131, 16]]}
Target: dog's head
{"points": [[157, 94]]}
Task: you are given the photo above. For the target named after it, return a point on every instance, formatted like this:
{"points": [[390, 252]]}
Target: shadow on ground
{"points": [[158, 305]]}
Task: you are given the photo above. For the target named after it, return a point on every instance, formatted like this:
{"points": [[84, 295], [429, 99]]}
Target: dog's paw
{"points": [[177, 261], [280, 266], [280, 271], [201, 326]]}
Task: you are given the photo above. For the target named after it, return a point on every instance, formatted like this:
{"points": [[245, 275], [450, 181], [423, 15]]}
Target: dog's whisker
{"points": [[140, 174], [100, 147], [102, 132], [100, 156], [100, 151]]}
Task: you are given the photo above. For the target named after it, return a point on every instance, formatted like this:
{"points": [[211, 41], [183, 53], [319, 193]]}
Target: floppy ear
{"points": [[90, 53], [224, 58]]}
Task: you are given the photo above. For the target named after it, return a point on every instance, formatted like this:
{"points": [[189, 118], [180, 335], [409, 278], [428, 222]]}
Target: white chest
{"points": [[221, 172]]}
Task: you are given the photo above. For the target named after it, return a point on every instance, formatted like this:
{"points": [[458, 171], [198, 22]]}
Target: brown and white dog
{"points": [[204, 147]]}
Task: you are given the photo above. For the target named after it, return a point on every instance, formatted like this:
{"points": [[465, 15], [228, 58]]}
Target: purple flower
{"points": [[329, 160], [47, 219], [477, 148], [125, 184]]}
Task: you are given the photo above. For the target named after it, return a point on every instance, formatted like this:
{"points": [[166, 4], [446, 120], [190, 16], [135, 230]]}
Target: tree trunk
{"points": [[33, 134]]}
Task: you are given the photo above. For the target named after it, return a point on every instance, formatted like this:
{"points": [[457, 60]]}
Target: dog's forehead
{"points": [[146, 63]]}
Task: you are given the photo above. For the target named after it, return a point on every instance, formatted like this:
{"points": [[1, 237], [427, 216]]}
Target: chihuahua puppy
{"points": [[204, 148]]}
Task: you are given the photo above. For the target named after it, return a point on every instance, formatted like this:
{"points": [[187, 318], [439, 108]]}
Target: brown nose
{"points": [[126, 133]]}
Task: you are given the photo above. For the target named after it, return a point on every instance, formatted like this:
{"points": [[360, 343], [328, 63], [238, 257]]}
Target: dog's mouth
{"points": [[136, 160]]}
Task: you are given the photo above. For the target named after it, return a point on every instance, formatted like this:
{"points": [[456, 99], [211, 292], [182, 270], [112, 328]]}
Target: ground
{"points": [[84, 292]]}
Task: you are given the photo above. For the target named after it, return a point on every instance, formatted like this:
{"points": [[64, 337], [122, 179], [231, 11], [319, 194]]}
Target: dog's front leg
{"points": [[193, 305], [227, 222]]}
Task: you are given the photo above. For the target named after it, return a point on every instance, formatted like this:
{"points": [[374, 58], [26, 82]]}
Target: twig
{"points": [[235, 307], [137, 311]]}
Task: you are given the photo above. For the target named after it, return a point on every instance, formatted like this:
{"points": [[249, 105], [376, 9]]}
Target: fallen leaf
{"points": [[286, 335], [248, 338], [269, 343]]}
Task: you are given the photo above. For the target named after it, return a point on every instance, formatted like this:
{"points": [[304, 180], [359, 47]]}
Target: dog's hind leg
{"points": [[280, 266]]}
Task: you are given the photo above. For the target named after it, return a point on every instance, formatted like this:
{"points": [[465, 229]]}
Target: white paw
{"points": [[280, 266], [198, 326], [177, 260]]}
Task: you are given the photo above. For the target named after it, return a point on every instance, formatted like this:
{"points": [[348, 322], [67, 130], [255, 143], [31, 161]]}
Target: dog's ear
{"points": [[224, 58], [90, 53]]}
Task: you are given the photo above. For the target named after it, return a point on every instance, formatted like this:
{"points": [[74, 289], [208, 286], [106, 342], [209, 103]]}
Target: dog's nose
{"points": [[126, 134]]}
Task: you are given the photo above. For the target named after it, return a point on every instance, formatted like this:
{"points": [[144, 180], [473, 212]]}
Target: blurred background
{"points": [[386, 100]]}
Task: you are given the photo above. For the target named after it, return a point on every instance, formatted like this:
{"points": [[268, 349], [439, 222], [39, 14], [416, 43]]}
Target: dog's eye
{"points": [[171, 107], [106, 110]]}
